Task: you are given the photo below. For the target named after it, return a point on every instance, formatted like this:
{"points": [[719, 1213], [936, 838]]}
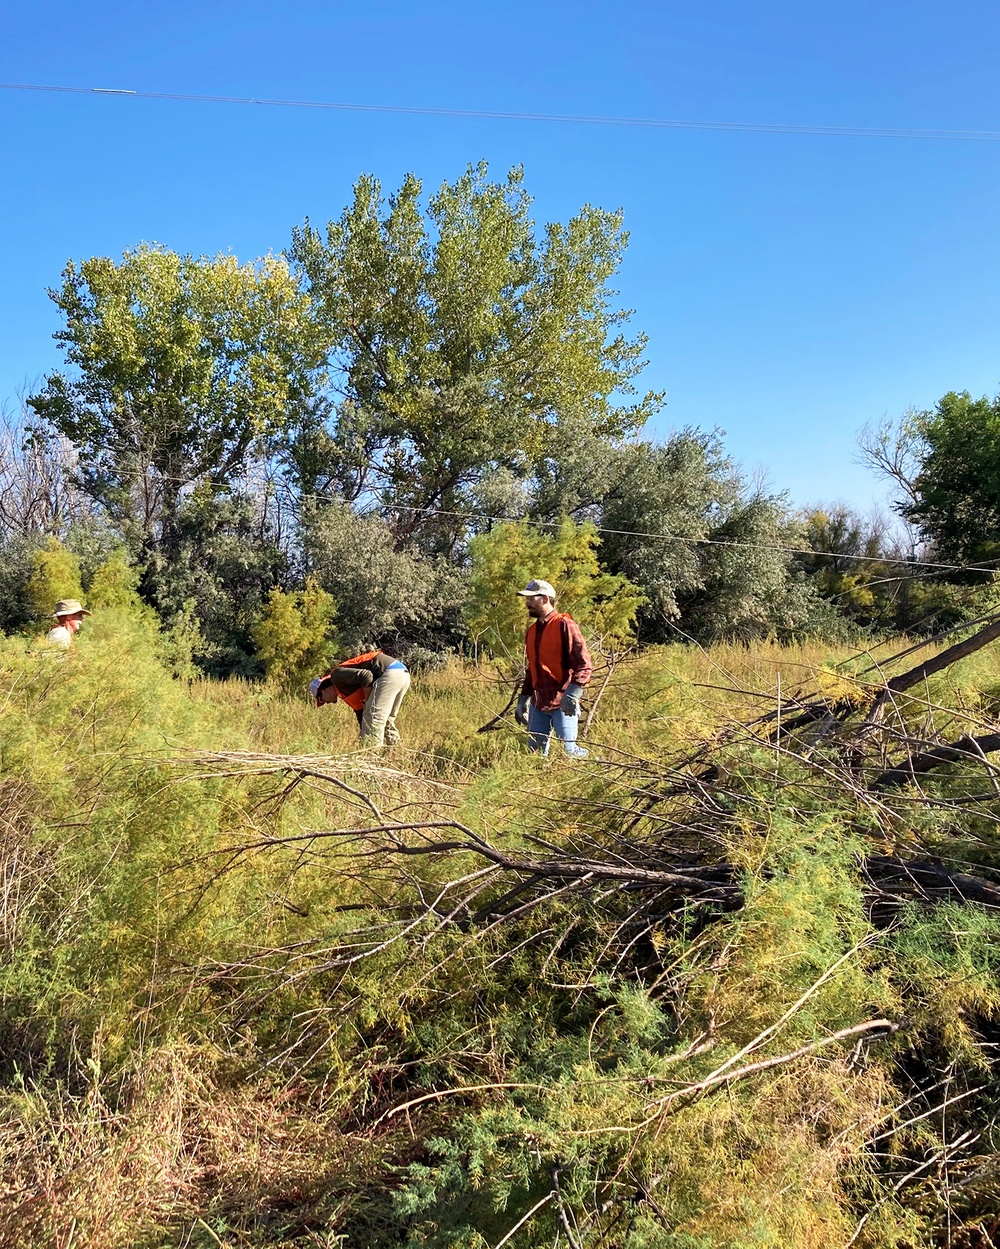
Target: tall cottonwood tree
{"points": [[179, 365], [956, 489], [465, 337]]}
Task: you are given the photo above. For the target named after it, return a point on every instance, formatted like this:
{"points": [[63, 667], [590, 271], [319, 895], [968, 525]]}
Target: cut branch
{"points": [[966, 748], [906, 680], [883, 1026]]}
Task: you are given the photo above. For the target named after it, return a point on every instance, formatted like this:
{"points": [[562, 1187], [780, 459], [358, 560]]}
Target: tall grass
{"points": [[222, 1025]]}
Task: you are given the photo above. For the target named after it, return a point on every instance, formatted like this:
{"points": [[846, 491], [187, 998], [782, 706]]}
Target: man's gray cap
{"points": [[70, 607], [537, 587]]}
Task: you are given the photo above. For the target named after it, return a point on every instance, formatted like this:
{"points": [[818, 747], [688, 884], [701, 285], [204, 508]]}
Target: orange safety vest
{"points": [[547, 649], [357, 698]]}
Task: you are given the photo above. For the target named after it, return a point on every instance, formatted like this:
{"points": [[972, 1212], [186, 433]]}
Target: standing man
{"points": [[69, 616], [373, 685], [559, 666]]}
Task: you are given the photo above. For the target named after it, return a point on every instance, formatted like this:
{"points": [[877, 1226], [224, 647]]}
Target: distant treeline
{"points": [[330, 447]]}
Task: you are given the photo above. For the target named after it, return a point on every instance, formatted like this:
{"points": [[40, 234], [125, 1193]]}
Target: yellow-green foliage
{"points": [[954, 956], [115, 585], [55, 575], [82, 740], [295, 637], [802, 934], [509, 556], [214, 1035]]}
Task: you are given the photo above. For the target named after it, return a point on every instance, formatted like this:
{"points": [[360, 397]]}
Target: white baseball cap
{"points": [[537, 587]]}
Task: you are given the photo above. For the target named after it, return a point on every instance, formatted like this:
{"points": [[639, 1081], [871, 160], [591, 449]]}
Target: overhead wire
{"points": [[574, 119], [583, 119], [985, 566]]}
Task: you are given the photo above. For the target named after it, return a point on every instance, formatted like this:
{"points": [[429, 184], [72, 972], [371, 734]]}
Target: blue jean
{"points": [[542, 723]]}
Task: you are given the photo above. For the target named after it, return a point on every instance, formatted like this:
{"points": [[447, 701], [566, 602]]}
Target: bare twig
{"points": [[719, 1077]]}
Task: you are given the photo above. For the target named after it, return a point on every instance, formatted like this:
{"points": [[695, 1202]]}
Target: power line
{"points": [[152, 476], [655, 123], [989, 566]]}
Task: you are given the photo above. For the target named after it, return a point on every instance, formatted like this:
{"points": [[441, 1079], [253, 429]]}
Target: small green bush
{"points": [[295, 637], [55, 575]]}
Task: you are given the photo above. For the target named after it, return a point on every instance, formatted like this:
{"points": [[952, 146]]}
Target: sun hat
{"points": [[70, 607], [537, 587]]}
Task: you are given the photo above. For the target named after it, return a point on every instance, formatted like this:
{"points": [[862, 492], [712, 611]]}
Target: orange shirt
{"points": [[557, 655]]}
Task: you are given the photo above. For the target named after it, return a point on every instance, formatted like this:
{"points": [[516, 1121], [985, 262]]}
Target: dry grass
{"points": [[23, 864], [171, 1149], [656, 699]]}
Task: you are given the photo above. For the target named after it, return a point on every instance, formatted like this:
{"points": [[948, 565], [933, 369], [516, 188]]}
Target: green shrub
{"points": [[510, 555], [55, 575], [296, 637]]}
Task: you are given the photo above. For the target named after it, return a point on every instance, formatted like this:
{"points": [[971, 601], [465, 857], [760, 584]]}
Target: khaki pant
{"points": [[378, 720]]}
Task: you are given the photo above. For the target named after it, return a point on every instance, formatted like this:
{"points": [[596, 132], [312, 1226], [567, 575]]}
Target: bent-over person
{"points": [[373, 685]]}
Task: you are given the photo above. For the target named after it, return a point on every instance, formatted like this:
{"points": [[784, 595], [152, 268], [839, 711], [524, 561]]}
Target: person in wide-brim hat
{"points": [[70, 607], [68, 615]]}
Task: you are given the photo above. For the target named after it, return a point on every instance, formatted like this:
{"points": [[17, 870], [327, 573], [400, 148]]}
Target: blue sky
{"points": [[793, 287]]}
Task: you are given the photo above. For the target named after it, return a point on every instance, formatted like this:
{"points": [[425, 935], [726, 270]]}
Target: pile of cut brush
{"points": [[810, 898], [733, 981], [657, 825]]}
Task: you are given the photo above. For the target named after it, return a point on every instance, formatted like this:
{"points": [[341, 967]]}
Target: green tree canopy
{"points": [[386, 595], [662, 499], [845, 542], [749, 585], [957, 485], [464, 338], [227, 559], [178, 366]]}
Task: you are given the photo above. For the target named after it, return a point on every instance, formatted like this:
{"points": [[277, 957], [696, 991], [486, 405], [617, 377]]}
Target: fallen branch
{"points": [[492, 725], [926, 881], [966, 747], [914, 676], [884, 1026]]}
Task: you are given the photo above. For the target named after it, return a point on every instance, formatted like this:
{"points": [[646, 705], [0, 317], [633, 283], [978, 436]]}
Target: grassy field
{"points": [[261, 987]]}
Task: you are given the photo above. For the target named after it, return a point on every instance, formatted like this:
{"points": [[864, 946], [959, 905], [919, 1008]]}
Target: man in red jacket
{"points": [[558, 667]]}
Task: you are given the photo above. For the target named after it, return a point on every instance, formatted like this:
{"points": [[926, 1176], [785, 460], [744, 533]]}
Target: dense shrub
{"points": [[230, 1000], [296, 636]]}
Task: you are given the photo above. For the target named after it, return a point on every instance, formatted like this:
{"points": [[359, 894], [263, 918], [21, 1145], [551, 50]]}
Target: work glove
{"points": [[521, 710], [570, 704]]}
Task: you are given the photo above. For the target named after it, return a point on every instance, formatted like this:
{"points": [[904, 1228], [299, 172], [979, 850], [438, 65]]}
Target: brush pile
{"points": [[740, 992]]}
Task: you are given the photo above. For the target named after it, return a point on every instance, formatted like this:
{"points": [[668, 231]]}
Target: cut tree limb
{"points": [[965, 749], [923, 880], [883, 1026], [497, 721], [906, 680]]}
